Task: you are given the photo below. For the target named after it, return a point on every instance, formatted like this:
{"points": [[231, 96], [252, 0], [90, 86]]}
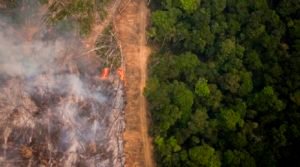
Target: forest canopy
{"points": [[224, 82]]}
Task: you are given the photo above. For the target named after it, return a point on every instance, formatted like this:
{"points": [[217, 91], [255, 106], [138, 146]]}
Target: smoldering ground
{"points": [[54, 110]]}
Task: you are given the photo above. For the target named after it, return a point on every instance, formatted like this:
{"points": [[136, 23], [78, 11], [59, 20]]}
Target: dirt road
{"points": [[131, 25], [130, 18]]}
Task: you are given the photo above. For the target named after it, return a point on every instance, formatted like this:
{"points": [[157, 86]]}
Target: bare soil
{"points": [[131, 23]]}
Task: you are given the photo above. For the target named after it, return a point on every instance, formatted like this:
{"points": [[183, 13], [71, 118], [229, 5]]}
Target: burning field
{"points": [[55, 110]]}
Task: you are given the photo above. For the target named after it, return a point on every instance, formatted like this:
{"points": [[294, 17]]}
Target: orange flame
{"points": [[105, 73], [121, 74]]}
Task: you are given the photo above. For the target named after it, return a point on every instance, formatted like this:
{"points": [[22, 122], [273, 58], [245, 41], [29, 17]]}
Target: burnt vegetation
{"points": [[55, 109]]}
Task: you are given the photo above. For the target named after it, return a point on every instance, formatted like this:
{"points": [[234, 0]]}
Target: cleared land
{"points": [[130, 24], [130, 18]]}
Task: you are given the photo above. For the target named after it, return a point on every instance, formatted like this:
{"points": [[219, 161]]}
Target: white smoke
{"points": [[54, 110], [22, 58]]}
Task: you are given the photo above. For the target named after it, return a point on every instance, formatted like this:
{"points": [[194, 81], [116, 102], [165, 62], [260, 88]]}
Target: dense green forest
{"points": [[223, 86]]}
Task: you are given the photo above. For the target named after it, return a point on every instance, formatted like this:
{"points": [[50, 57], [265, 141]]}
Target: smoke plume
{"points": [[54, 109]]}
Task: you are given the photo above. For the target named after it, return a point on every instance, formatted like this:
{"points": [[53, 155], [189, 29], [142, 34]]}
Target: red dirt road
{"points": [[131, 25]]}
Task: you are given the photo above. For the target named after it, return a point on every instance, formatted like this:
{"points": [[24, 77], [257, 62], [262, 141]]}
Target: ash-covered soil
{"points": [[54, 108]]}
